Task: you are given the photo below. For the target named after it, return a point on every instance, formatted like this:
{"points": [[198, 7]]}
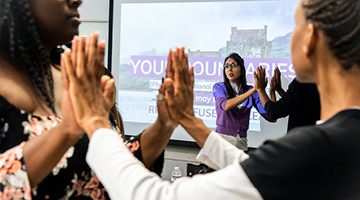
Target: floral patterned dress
{"points": [[71, 178]]}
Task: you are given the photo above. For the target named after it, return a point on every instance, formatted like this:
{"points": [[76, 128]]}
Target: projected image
{"points": [[259, 31]]}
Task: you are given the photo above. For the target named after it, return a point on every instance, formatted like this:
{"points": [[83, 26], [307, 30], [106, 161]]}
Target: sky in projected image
{"points": [[204, 26]]}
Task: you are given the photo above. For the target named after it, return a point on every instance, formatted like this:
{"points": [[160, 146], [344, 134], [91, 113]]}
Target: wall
{"points": [[178, 156], [94, 15]]}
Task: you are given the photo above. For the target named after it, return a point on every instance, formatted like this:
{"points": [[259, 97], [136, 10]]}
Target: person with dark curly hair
{"points": [[234, 99], [42, 147], [313, 162]]}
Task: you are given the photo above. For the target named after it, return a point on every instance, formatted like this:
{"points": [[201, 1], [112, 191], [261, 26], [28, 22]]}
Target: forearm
{"points": [[154, 140], [263, 97], [280, 91], [272, 96], [232, 103], [42, 153]]}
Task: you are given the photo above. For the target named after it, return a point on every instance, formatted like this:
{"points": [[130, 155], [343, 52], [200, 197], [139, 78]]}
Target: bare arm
{"points": [[233, 102], [159, 132], [42, 153]]}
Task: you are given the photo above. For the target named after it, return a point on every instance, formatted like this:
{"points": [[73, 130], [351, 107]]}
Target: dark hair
{"points": [[18, 36], [242, 83], [339, 20], [114, 110]]}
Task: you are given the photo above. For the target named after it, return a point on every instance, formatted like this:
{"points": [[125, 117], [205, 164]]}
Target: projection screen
{"points": [[144, 31]]}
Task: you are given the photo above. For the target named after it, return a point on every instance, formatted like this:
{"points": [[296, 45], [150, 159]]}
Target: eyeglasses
{"points": [[232, 65]]}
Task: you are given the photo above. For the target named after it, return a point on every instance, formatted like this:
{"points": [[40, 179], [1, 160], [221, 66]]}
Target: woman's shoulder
{"points": [[218, 84]]}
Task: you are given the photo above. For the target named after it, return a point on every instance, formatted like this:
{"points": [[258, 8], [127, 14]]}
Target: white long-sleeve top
{"points": [[125, 177]]}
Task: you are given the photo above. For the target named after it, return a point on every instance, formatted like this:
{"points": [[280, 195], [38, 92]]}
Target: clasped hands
{"points": [[91, 93]]}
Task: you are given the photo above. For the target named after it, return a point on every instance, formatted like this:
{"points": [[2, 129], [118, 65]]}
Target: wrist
{"points": [[71, 135], [253, 90], [167, 125], [95, 123], [261, 90]]}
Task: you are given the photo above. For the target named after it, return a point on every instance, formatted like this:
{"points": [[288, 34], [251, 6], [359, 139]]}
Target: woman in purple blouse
{"points": [[234, 99]]}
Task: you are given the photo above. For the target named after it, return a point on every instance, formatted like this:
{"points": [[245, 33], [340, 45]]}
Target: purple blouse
{"points": [[236, 120]]}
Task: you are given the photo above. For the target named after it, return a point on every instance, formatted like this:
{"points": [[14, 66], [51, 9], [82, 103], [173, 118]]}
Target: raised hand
{"points": [[163, 112], [179, 96], [272, 84], [91, 94], [277, 80], [260, 79], [69, 119], [179, 86]]}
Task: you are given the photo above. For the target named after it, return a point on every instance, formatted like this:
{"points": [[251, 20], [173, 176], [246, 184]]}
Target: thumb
{"points": [[108, 91], [192, 76], [169, 86]]}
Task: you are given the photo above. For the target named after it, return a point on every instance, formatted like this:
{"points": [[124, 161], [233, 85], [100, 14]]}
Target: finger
{"points": [[92, 62], [74, 49], [162, 89], [184, 62], [80, 60], [177, 70], [278, 72], [101, 57], [258, 73], [191, 71], [66, 64], [264, 72], [104, 79], [180, 54], [169, 69], [256, 76], [169, 87], [109, 91], [106, 86], [87, 46], [184, 65]]}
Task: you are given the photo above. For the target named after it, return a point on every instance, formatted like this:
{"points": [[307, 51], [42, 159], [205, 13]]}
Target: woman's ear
{"points": [[310, 40]]}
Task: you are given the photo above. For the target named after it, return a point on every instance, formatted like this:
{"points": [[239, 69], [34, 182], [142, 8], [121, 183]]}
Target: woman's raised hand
{"points": [[91, 93], [260, 79], [180, 96], [277, 79], [163, 111], [179, 86]]}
